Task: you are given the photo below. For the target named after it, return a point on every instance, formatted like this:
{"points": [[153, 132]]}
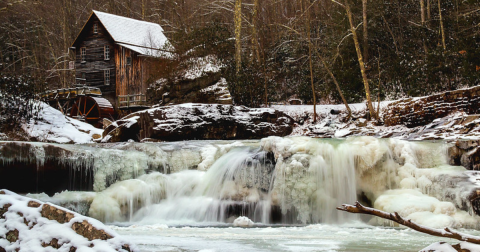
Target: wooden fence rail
{"points": [[132, 101]]}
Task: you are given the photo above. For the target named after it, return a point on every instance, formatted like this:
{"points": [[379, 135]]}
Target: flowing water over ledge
{"points": [[194, 190]]}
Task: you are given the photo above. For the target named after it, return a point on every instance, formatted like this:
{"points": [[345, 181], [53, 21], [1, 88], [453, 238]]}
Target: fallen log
{"points": [[447, 232]]}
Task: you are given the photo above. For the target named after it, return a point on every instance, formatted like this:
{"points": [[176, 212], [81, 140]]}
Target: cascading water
{"points": [[274, 180]]}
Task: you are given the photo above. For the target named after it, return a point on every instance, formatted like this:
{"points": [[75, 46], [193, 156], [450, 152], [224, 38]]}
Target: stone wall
{"points": [[414, 112]]}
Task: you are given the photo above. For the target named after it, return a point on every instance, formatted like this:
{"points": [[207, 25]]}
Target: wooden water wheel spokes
{"points": [[91, 109]]}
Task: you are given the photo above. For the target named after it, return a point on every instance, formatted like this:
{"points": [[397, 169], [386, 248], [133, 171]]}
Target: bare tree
{"points": [[353, 29]]}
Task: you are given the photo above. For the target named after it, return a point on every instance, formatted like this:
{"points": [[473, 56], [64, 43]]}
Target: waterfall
{"points": [[297, 180]]}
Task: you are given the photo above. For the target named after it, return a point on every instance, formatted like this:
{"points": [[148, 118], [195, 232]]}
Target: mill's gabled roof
{"points": [[140, 36]]}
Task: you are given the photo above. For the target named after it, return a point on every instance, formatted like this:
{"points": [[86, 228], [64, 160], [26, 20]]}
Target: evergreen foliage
{"points": [[16, 100]]}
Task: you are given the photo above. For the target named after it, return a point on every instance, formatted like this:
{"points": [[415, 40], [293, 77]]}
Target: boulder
{"points": [[200, 122], [57, 228]]}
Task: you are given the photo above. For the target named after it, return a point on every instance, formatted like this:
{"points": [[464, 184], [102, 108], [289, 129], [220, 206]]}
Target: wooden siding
{"points": [[95, 64], [129, 77]]}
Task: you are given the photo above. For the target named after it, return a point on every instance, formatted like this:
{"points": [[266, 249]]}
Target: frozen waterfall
{"points": [[274, 180]]}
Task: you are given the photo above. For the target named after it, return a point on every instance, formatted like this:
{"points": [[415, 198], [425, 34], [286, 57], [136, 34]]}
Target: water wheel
{"points": [[91, 109]]}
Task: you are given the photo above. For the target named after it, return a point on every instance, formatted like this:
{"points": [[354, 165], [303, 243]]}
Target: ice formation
{"points": [[242, 221], [275, 180]]}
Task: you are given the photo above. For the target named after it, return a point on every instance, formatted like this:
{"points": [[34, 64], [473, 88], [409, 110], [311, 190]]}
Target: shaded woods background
{"points": [[402, 43]]}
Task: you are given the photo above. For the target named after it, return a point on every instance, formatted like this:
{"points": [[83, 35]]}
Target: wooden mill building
{"points": [[121, 56]]}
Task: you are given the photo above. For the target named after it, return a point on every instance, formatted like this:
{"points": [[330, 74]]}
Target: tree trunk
{"points": [[360, 60], [379, 82], [365, 31], [429, 12], [422, 16], [441, 25], [255, 50], [448, 233], [422, 11], [310, 48], [238, 35]]}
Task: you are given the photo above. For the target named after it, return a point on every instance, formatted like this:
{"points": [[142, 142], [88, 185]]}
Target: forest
{"points": [[272, 50]]}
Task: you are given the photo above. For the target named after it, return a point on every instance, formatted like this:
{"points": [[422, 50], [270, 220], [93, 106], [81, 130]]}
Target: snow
{"points": [[52, 126], [135, 34], [34, 229]]}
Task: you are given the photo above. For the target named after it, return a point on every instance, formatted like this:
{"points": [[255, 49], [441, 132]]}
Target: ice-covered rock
{"points": [[242, 221], [31, 225], [445, 247], [200, 121]]}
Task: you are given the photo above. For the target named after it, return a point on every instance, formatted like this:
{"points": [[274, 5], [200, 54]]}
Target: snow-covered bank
{"points": [[31, 225], [331, 124], [52, 126]]}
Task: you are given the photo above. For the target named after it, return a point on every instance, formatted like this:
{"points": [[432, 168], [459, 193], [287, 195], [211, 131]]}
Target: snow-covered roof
{"points": [[142, 37]]}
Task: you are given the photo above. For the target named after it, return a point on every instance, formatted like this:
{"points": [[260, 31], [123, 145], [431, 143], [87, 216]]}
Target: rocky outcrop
{"points": [[414, 112], [59, 228], [196, 80], [200, 122], [466, 153]]}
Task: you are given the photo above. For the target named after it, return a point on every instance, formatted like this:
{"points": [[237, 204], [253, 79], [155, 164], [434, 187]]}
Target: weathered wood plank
{"points": [[92, 70]]}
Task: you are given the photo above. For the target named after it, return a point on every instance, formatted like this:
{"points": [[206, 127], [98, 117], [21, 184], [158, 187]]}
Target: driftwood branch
{"points": [[447, 232]]}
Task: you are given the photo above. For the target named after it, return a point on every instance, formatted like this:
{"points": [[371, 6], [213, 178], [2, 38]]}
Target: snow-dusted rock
{"points": [[31, 225], [242, 221], [445, 247], [200, 121], [420, 111]]}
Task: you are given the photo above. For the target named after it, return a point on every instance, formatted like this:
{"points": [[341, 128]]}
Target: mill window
{"points": [[107, 52], [83, 76], [95, 28], [107, 77], [129, 61], [83, 54]]}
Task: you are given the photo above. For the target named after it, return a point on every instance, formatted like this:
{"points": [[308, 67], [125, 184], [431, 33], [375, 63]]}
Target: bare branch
{"points": [[447, 232]]}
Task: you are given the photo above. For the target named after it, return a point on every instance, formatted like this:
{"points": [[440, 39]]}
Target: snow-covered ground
{"points": [[52, 126]]}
